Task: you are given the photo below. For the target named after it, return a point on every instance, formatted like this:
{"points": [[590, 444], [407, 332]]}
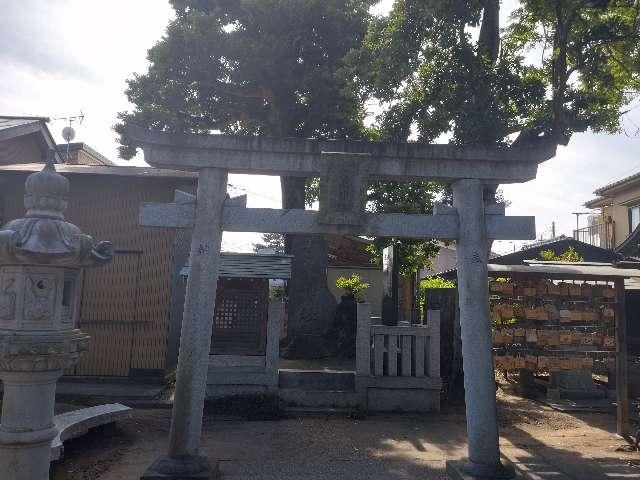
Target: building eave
{"points": [[118, 171], [28, 126]]}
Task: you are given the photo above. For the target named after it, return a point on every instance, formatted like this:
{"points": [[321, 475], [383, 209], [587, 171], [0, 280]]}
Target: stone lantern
{"points": [[41, 257]]}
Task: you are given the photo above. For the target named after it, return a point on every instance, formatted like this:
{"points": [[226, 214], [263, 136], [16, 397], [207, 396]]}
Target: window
{"points": [[634, 218]]}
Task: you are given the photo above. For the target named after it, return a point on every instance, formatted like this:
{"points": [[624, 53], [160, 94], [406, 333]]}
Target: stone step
{"points": [[317, 411], [337, 399], [332, 380]]}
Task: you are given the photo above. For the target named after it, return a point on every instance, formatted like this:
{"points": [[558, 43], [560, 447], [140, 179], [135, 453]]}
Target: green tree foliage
{"points": [[447, 68], [256, 67], [273, 241], [433, 76], [422, 63], [589, 61], [395, 197]]}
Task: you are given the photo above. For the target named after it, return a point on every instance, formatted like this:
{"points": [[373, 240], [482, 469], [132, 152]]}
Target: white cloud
{"points": [[63, 56]]}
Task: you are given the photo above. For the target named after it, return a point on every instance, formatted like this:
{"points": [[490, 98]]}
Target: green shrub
{"points": [[436, 282], [431, 282], [353, 286], [569, 255]]}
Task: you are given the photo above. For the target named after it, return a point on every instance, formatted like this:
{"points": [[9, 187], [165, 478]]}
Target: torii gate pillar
{"points": [[183, 459], [475, 324]]}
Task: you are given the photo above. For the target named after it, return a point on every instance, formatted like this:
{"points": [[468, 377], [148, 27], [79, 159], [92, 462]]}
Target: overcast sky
{"points": [[60, 57]]}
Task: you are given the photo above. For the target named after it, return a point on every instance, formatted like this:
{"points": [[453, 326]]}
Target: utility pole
{"points": [[553, 230]]}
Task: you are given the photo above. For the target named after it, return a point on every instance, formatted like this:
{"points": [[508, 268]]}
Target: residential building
{"points": [[79, 153], [615, 226], [25, 140]]}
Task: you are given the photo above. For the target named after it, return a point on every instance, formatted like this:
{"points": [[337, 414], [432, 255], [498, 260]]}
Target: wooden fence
{"points": [[398, 367]]}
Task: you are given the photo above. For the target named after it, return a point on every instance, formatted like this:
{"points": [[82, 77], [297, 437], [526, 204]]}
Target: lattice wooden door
{"points": [[240, 325]]}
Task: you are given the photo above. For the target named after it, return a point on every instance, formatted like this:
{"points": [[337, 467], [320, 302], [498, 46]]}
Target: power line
{"points": [[243, 189]]}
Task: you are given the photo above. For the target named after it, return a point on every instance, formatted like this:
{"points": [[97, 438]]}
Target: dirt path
{"points": [[382, 446]]}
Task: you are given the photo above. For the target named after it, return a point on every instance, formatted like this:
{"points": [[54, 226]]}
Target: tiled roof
{"points": [[8, 123], [601, 191]]}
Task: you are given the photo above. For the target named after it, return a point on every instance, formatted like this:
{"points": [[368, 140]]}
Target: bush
{"points": [[353, 286], [436, 282], [431, 282], [569, 255]]}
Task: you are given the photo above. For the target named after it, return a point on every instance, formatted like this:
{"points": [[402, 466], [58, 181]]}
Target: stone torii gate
{"points": [[344, 168]]}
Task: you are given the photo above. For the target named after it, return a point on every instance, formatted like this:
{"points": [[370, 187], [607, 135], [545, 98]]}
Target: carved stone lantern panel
{"points": [[37, 298]]}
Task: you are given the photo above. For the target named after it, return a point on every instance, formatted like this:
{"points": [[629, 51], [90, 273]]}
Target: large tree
{"points": [[259, 67], [446, 67]]}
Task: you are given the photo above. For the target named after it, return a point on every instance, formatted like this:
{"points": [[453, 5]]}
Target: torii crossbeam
{"points": [[345, 169]]}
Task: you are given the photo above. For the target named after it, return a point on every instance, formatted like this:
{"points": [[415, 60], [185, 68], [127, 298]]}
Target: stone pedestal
{"points": [[465, 470], [28, 403], [573, 386], [184, 468], [40, 259], [27, 423]]}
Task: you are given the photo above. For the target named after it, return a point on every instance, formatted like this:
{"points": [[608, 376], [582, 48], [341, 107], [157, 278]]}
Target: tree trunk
{"points": [[489, 39], [311, 306], [559, 73]]}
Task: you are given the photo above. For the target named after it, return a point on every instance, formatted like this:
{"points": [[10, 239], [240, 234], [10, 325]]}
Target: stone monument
{"points": [[391, 285], [41, 257]]}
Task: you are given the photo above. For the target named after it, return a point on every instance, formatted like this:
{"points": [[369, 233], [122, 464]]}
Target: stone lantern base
{"points": [[30, 366]]}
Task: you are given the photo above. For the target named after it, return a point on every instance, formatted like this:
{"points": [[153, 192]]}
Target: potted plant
{"points": [[342, 334], [353, 287]]}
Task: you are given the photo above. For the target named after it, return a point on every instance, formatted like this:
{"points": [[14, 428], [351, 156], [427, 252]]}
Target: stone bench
{"points": [[78, 422]]}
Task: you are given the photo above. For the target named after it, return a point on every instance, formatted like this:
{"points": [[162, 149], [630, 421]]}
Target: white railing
{"points": [[599, 235], [398, 351]]}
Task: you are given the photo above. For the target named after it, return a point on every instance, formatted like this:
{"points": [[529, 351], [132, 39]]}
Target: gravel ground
{"points": [[390, 447]]}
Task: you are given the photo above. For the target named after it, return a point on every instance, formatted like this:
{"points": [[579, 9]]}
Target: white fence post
{"points": [[276, 311], [363, 340], [433, 322]]}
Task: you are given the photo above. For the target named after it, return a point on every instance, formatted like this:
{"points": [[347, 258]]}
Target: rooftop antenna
{"points": [[68, 133]]}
